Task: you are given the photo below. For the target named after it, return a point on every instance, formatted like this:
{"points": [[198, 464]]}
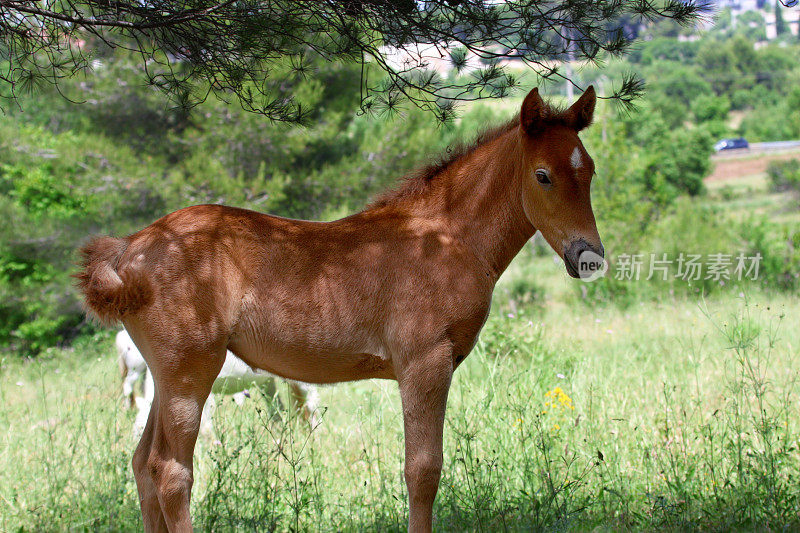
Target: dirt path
{"points": [[729, 168]]}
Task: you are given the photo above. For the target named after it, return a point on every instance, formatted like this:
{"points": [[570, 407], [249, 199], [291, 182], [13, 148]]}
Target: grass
{"points": [[675, 414]]}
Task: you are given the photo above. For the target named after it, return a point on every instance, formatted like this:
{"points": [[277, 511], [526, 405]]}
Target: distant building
{"points": [[740, 6], [790, 16], [737, 7]]}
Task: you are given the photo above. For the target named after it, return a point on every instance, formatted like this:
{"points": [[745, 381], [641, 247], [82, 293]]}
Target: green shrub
{"points": [[754, 251], [779, 248], [55, 191], [769, 123], [784, 175]]}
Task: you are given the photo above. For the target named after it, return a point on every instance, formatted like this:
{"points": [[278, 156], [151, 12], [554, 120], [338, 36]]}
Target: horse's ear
{"points": [[533, 110], [581, 113]]}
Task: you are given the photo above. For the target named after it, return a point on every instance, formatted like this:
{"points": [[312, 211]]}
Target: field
{"points": [[677, 413]]}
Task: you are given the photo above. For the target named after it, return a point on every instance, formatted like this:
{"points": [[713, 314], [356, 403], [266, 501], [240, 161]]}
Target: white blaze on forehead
{"points": [[576, 159]]}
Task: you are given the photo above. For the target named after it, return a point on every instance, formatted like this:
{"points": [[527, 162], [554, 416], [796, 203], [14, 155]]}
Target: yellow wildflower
{"points": [[557, 397]]}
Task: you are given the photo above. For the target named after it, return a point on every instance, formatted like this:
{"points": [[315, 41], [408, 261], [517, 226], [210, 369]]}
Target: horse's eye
{"points": [[543, 177]]}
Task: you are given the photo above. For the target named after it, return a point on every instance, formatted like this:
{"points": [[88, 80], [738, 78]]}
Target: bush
{"points": [[784, 175], [770, 123], [690, 228], [679, 162], [712, 112], [55, 191], [664, 48], [779, 248]]}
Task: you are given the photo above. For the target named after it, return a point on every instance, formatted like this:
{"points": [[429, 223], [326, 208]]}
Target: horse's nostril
{"points": [[575, 249]]}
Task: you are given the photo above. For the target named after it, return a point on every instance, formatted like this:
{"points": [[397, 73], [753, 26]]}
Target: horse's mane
{"points": [[419, 180]]}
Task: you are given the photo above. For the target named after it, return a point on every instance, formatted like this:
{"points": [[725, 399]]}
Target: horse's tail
{"points": [[111, 289]]}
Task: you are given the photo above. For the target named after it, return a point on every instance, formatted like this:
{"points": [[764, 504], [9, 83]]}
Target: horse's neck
{"points": [[481, 197]]}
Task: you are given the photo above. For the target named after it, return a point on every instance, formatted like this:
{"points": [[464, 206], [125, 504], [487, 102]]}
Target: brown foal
{"points": [[398, 291]]}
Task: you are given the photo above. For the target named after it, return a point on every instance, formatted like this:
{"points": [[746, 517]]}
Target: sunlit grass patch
{"points": [[675, 414]]}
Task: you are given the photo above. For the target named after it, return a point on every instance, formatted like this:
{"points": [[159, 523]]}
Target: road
{"points": [[756, 149]]}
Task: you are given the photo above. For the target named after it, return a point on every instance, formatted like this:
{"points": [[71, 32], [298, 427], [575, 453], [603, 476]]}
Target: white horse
{"points": [[132, 367], [235, 378]]}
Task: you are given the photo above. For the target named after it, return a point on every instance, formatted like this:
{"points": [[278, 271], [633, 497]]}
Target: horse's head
{"points": [[557, 177]]}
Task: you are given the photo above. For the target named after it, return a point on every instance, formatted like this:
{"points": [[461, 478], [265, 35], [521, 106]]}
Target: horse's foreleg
{"points": [[424, 384]]}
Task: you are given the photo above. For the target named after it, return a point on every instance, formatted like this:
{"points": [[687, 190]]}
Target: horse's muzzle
{"points": [[582, 259]]}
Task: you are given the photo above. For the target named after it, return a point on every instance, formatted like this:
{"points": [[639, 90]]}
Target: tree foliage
{"points": [[257, 50]]}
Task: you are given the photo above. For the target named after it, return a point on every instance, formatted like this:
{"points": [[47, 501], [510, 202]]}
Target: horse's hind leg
{"points": [[148, 495], [182, 388]]}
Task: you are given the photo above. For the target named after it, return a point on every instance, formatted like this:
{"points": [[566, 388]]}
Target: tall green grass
{"points": [[672, 416]]}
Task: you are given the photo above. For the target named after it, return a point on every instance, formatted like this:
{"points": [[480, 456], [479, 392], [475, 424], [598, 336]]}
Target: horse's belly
{"points": [[313, 364], [312, 333]]}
